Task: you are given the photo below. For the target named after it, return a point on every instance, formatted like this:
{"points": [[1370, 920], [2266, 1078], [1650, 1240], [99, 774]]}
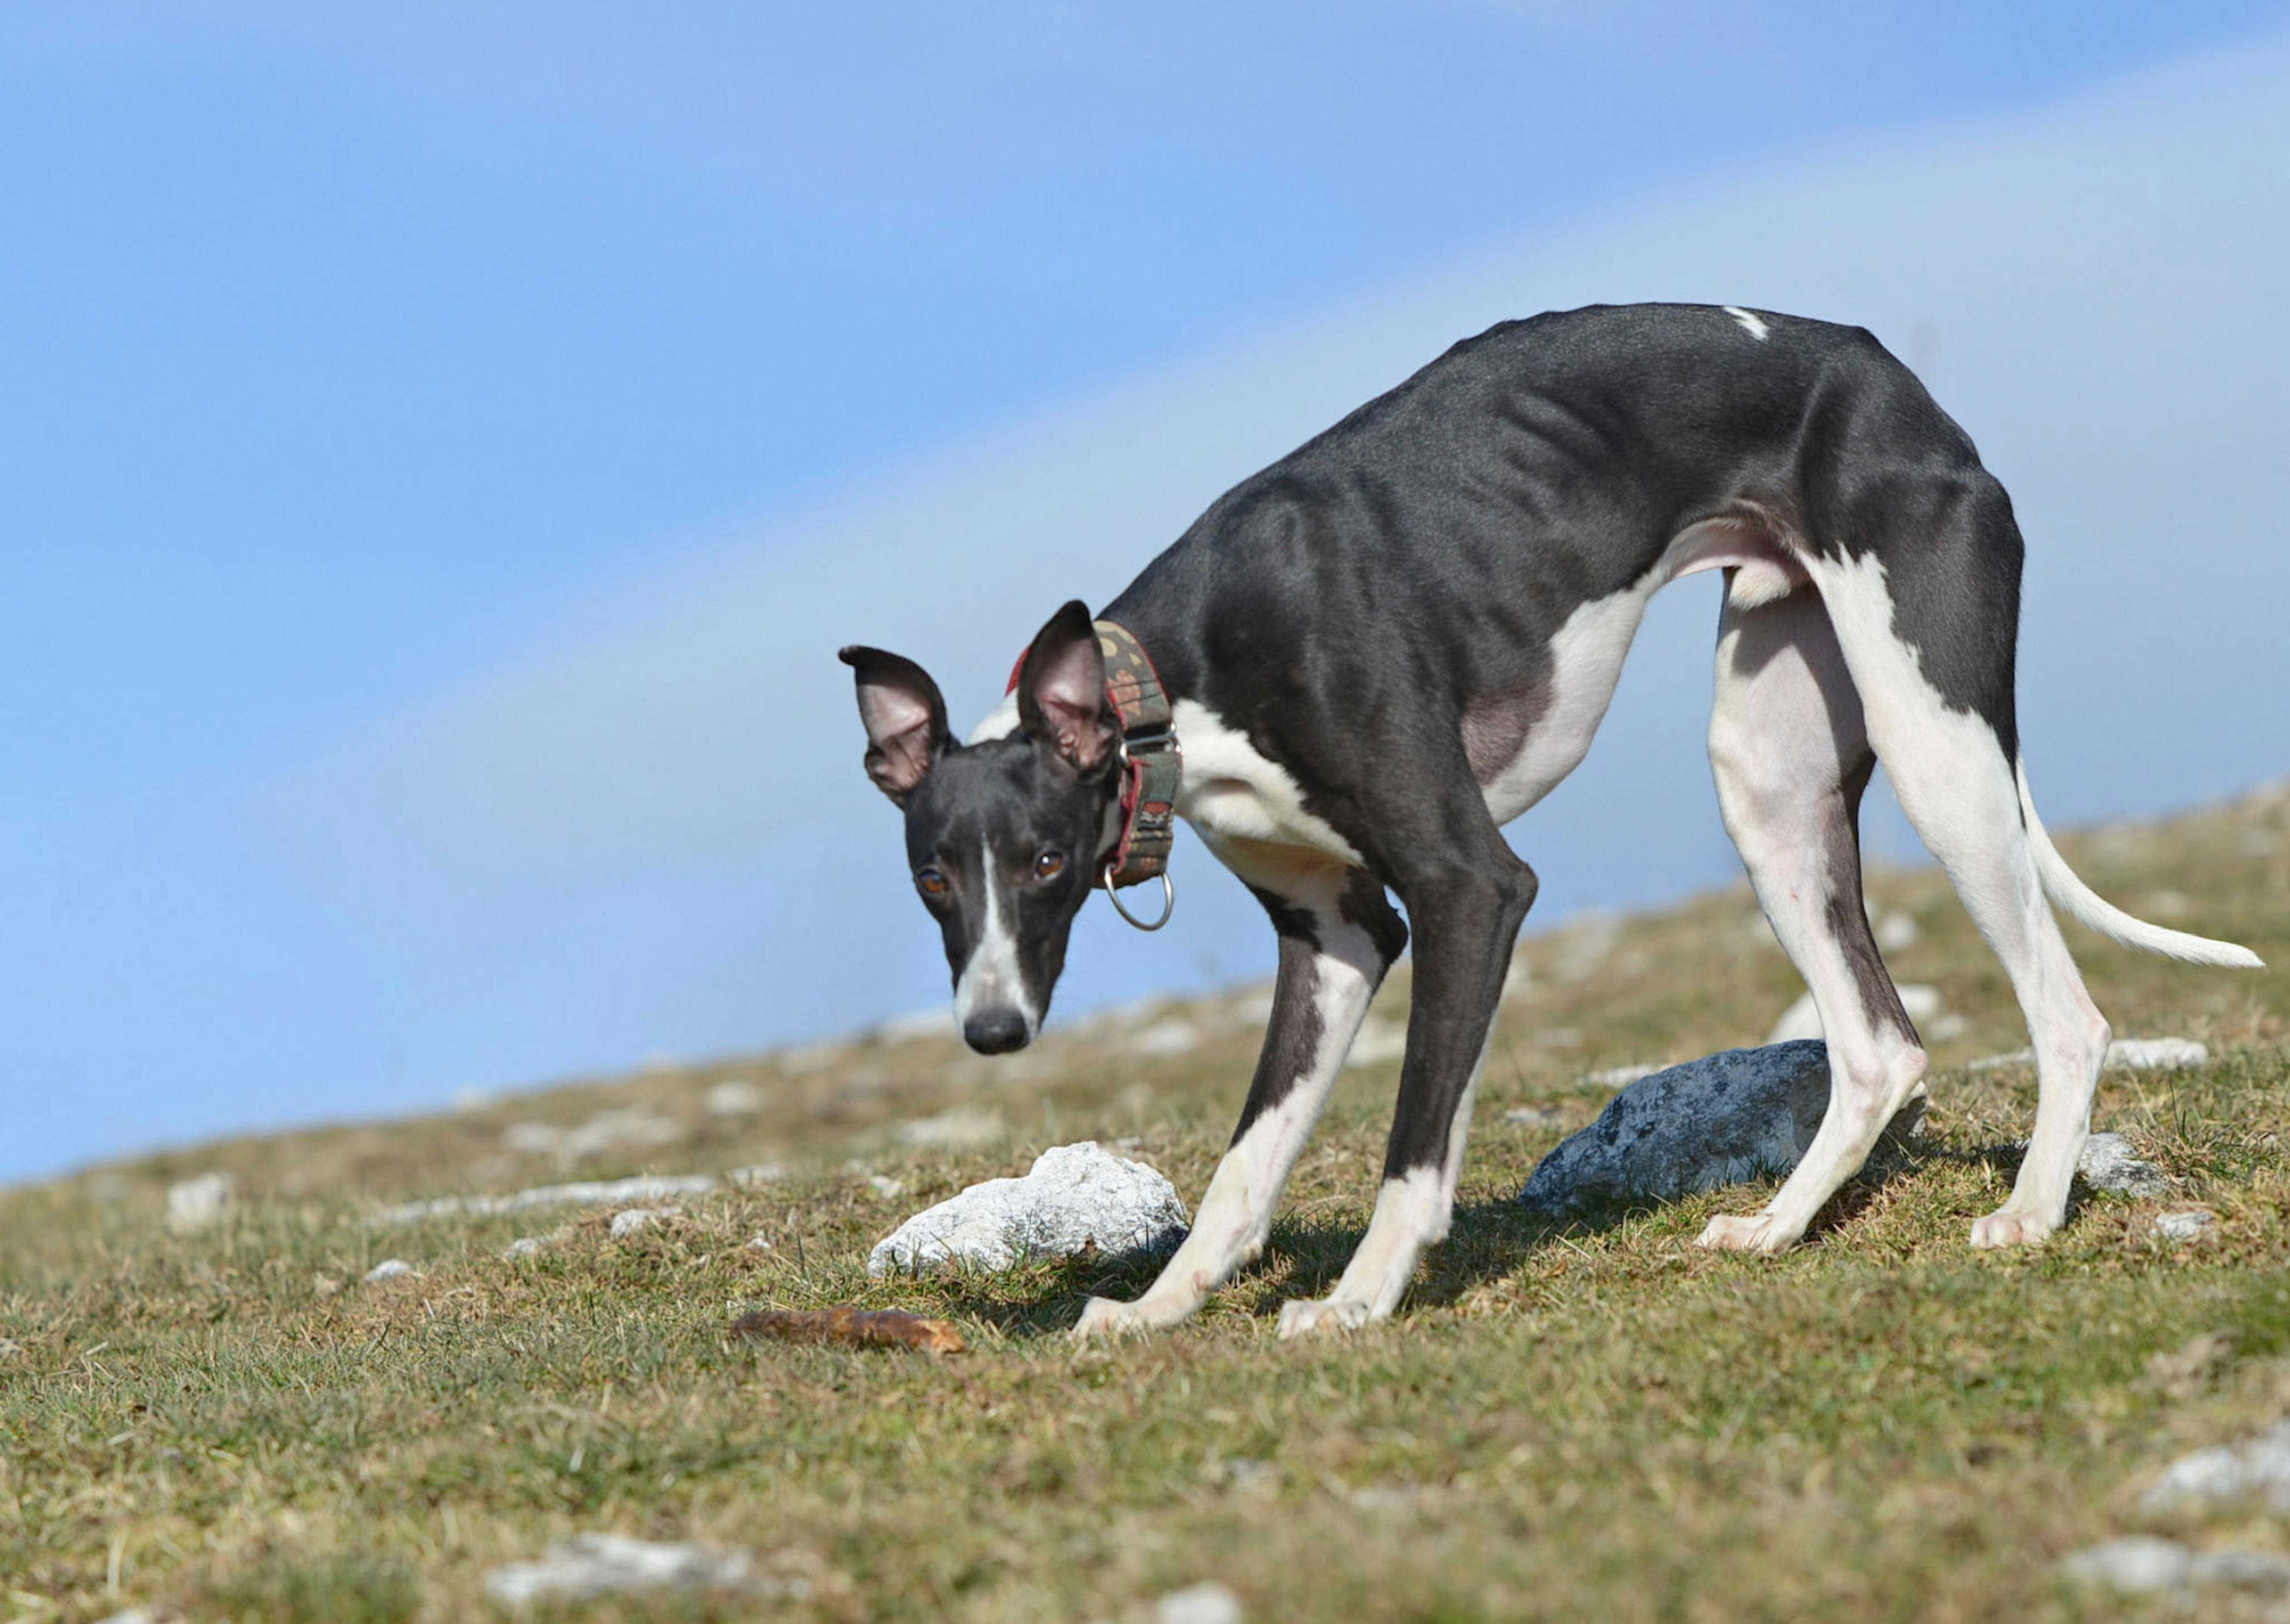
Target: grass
{"points": [[1561, 1422]]}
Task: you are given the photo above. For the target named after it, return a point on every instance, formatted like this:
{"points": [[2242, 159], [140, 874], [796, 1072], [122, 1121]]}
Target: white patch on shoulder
{"points": [[1229, 792], [998, 723], [1751, 322]]}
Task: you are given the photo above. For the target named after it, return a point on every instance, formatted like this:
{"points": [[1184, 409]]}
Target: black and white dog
{"points": [[1403, 634]]}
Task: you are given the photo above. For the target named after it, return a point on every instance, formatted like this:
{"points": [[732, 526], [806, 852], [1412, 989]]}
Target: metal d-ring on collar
{"points": [[1168, 898]]}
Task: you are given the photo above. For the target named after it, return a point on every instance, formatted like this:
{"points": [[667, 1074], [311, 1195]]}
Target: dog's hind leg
{"points": [[1338, 936], [1467, 894], [1930, 648], [1790, 756]]}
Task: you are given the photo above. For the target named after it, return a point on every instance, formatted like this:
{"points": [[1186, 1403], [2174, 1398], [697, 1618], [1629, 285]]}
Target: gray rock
{"points": [[1741, 1115], [2257, 1468], [2106, 1163], [1074, 1198], [198, 1204], [593, 1565]]}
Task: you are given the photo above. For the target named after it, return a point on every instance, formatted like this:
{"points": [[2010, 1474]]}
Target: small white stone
{"points": [[1167, 1037], [2256, 1469], [593, 1565], [2155, 1053], [523, 1246], [2140, 1565], [388, 1269], [1208, 1603], [963, 1128], [1997, 1062], [198, 1204], [586, 1193], [734, 1097], [1531, 1116], [635, 1218], [760, 1172], [760, 1242], [2182, 1225], [885, 1188], [1616, 1076], [1896, 930], [1947, 1027], [1378, 1040]]}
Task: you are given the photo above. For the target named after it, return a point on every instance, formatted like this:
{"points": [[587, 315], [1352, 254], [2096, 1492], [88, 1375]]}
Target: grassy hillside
{"points": [[1561, 1423]]}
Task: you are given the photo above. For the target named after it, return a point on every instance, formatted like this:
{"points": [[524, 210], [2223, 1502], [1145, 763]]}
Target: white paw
{"points": [[1101, 1316], [1746, 1232], [1302, 1316], [2005, 1228]]}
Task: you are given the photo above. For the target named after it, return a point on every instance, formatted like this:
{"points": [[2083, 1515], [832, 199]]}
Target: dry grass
{"points": [[1562, 1423]]}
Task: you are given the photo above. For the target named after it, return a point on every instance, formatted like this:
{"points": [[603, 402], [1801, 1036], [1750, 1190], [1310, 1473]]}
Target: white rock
{"points": [[388, 1269], [732, 1097], [1165, 1037], [636, 1219], [2182, 1225], [2155, 1053], [1531, 1116], [586, 1193], [593, 1565], [1616, 1076], [2108, 1164], [1996, 1062], [1801, 1021], [1378, 1040], [196, 1203], [1208, 1603], [523, 1246], [885, 1188], [1074, 1198], [936, 1021], [964, 1127], [613, 1130], [760, 1172], [2257, 1468], [760, 1242], [1896, 930], [1947, 1025], [2140, 1565]]}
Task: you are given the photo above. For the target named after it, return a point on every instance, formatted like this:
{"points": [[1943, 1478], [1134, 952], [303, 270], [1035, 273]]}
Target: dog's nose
{"points": [[995, 1031]]}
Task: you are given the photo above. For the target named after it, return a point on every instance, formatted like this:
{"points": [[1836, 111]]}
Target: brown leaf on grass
{"points": [[851, 1328]]}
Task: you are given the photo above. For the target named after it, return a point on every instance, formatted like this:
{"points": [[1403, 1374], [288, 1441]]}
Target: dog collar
{"points": [[1151, 766]]}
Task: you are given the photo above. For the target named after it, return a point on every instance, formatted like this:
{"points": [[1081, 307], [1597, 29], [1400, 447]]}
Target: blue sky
{"points": [[433, 442]]}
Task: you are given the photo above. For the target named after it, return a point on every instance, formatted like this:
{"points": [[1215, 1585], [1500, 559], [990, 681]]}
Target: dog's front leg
{"points": [[1338, 936], [1465, 925]]}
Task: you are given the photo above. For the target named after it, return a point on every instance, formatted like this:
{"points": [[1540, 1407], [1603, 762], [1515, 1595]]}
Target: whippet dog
{"points": [[1400, 637]]}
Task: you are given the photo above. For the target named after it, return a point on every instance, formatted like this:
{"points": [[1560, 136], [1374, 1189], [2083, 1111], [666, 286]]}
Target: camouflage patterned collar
{"points": [[1149, 762]]}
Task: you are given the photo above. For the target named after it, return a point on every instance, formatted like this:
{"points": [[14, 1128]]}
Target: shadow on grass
{"points": [[1488, 1241]]}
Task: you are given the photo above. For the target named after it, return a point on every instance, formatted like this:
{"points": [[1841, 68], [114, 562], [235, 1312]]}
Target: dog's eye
{"points": [[931, 882], [1049, 865]]}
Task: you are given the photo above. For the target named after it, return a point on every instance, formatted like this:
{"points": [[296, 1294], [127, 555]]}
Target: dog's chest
{"points": [[1233, 794]]}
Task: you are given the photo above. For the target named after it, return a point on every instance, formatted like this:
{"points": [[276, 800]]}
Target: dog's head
{"points": [[1002, 837]]}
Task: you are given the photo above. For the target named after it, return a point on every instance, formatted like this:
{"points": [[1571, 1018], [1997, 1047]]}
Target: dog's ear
{"points": [[1061, 690], [904, 718]]}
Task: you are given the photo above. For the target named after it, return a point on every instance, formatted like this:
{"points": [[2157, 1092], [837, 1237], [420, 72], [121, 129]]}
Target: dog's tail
{"points": [[2087, 905]]}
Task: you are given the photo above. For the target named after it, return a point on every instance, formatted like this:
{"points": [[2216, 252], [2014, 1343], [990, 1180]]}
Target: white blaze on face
{"points": [[991, 981]]}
